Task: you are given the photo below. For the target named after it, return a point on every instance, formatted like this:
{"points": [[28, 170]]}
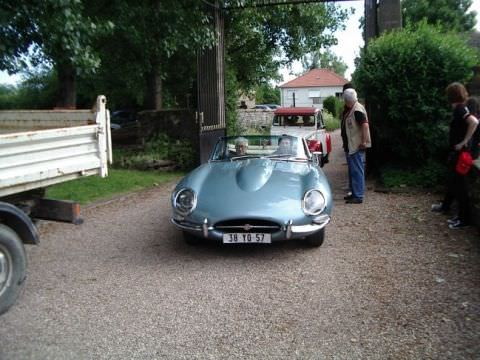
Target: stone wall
{"points": [[254, 118]]}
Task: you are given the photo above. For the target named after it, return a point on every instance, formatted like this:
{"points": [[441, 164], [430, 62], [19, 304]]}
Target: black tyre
{"points": [[190, 239], [324, 160], [13, 264], [316, 239]]}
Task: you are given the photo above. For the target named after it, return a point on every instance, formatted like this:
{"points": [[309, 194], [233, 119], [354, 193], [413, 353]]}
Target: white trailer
{"points": [[39, 148]]}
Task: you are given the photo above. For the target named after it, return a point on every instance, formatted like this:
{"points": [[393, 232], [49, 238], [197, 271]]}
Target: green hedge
{"points": [[333, 105], [403, 75]]}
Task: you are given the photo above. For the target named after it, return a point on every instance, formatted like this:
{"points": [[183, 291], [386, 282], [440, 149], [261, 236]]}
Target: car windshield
{"points": [[281, 147], [294, 120]]}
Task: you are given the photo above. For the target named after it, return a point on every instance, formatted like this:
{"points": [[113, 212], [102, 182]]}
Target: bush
{"points": [[266, 94], [36, 91], [331, 123], [333, 105], [427, 176], [404, 74]]}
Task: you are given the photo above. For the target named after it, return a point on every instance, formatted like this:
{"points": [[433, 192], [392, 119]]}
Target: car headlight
{"points": [[313, 202], [185, 201]]}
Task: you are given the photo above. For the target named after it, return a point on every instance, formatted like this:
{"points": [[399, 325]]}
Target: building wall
{"points": [[308, 97]]}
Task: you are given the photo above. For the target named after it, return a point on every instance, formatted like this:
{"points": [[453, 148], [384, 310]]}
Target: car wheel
{"points": [[13, 264], [191, 239], [325, 160], [316, 239]]}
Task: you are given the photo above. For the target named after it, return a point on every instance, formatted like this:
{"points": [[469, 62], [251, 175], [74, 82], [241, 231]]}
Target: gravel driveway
{"points": [[390, 281]]}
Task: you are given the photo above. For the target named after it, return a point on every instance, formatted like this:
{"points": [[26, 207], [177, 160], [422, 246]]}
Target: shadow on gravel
{"points": [[206, 249]]}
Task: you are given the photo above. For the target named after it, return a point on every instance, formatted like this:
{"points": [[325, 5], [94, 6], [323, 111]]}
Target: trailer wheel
{"points": [[13, 263]]}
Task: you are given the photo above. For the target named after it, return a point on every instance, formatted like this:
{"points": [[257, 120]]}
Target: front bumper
{"points": [[287, 231]]}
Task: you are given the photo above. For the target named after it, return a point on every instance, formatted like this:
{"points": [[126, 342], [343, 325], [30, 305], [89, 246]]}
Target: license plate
{"points": [[247, 238]]}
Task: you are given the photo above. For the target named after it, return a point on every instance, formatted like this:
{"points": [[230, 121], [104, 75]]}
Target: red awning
{"points": [[300, 111]]}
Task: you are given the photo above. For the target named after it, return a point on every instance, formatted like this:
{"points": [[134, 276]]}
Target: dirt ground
{"points": [[391, 281]]}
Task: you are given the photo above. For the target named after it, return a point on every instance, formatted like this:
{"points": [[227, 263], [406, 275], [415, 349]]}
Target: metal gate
{"points": [[211, 90]]}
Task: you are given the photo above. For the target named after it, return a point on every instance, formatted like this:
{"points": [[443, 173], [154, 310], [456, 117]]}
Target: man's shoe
{"points": [[354, 201], [453, 220], [348, 197], [458, 225]]}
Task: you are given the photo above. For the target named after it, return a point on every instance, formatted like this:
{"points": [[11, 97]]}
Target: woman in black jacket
{"points": [[462, 127]]}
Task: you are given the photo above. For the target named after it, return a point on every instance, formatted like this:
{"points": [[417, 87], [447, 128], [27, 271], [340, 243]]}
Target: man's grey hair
{"points": [[240, 141], [350, 95]]}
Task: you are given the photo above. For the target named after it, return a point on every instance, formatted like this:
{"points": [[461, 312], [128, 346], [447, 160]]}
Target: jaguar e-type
{"points": [[255, 189]]}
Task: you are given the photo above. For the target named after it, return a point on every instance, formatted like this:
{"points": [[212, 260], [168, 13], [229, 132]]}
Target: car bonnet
{"points": [[253, 188]]}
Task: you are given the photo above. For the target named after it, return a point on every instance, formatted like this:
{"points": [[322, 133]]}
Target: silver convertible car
{"points": [[255, 189]]}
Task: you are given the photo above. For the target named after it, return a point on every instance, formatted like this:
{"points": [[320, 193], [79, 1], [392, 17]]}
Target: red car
{"points": [[306, 122]]}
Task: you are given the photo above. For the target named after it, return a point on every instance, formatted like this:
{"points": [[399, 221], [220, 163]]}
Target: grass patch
{"points": [[118, 182]]}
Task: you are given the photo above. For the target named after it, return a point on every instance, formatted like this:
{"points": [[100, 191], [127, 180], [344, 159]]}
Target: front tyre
{"points": [[191, 239], [316, 239], [13, 264], [324, 160]]}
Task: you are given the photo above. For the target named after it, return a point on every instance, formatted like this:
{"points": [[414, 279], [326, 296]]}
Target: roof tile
{"points": [[316, 78]]}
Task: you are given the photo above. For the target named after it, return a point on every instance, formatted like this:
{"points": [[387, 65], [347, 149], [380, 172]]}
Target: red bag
{"points": [[464, 163]]}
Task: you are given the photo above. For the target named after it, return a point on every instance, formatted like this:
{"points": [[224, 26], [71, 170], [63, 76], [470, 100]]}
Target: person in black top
{"points": [[462, 127], [473, 106]]}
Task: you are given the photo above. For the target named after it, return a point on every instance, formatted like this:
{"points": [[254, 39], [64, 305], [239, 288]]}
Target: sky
{"points": [[350, 40], [349, 43]]}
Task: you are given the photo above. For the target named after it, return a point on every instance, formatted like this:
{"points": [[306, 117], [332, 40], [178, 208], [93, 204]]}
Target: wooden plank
{"points": [[57, 210]]}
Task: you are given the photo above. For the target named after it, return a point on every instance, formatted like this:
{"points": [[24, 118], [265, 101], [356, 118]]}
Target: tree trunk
{"points": [[153, 99], [67, 92]]}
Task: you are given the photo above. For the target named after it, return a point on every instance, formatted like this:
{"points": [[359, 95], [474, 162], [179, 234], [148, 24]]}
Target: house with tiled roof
{"points": [[311, 88]]}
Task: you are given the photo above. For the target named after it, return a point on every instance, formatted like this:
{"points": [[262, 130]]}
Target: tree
{"points": [[134, 40], [324, 60], [266, 94], [53, 33], [148, 36], [260, 40], [449, 14]]}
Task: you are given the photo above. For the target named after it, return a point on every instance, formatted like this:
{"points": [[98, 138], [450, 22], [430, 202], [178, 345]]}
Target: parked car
{"points": [[270, 189], [305, 122], [262, 107], [273, 106], [267, 106], [124, 126], [122, 119]]}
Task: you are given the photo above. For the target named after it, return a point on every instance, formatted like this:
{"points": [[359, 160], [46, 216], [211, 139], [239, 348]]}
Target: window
{"points": [[339, 94], [317, 100], [314, 93]]}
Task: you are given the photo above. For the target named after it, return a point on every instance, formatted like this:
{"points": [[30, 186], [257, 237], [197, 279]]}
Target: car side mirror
{"points": [[317, 158]]}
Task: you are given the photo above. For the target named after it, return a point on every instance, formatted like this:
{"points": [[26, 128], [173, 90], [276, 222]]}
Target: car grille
{"points": [[247, 225]]}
